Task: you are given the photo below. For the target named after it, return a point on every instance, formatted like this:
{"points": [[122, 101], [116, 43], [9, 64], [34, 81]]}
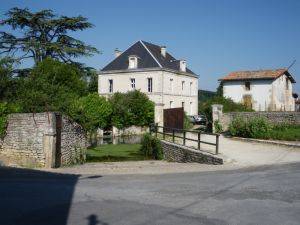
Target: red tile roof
{"points": [[258, 74]]}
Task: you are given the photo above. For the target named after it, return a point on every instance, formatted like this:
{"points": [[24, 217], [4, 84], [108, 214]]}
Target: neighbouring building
{"points": [[262, 90], [147, 67]]}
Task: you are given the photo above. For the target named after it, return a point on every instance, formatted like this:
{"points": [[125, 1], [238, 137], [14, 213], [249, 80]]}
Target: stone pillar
{"points": [[217, 111], [99, 132], [115, 131], [159, 114], [49, 147]]}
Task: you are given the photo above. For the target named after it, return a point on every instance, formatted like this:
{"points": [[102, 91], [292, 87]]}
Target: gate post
{"points": [[217, 112], [49, 142]]}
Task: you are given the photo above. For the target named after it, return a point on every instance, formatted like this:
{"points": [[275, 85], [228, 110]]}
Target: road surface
{"points": [[267, 195]]}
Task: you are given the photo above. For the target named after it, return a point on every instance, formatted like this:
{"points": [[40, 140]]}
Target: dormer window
{"points": [[247, 86], [132, 62]]}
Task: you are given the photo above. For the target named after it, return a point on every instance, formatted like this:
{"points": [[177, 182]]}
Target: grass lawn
{"points": [[115, 153]]}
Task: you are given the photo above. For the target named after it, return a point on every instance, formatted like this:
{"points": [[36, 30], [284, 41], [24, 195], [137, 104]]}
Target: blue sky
{"points": [[214, 36]]}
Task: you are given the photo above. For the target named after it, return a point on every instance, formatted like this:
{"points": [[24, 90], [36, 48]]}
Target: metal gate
{"points": [[173, 118]]}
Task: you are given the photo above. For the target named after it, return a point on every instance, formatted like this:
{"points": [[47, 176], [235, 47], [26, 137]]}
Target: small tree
{"points": [[228, 106], [91, 111], [131, 108]]}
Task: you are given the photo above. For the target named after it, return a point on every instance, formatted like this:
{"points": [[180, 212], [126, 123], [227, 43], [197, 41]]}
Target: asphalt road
{"points": [[256, 196]]}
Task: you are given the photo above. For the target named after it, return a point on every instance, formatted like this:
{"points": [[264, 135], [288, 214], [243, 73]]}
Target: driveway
{"points": [[268, 195], [250, 153]]}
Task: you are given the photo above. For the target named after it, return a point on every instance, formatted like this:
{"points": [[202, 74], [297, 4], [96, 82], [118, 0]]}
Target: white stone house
{"points": [[262, 90], [152, 70]]}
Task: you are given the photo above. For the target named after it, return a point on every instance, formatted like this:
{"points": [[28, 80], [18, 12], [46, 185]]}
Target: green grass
{"points": [[287, 133], [115, 153]]}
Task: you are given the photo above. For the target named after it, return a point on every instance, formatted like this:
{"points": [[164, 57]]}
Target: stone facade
{"points": [[170, 89], [35, 140], [273, 117], [178, 153]]}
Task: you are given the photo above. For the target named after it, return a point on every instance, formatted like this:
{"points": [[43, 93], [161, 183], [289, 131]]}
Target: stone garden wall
{"points": [[34, 140], [73, 142], [273, 117], [178, 153]]}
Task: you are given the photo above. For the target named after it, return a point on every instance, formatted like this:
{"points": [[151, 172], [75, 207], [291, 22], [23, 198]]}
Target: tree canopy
{"points": [[131, 108], [50, 86], [43, 34]]}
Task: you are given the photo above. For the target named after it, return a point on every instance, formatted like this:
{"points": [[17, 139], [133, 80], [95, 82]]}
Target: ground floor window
{"points": [[171, 104], [182, 105]]}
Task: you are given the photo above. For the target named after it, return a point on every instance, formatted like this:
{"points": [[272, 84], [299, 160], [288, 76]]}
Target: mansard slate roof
{"points": [[257, 75], [149, 56]]}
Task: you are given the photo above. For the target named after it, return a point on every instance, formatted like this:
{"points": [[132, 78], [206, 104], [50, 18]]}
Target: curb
{"points": [[270, 142]]}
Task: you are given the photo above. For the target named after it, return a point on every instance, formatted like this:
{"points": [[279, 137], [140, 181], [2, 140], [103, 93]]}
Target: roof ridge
{"points": [[237, 71], [150, 53]]}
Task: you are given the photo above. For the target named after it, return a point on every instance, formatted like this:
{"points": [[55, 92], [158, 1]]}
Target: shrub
{"points": [[252, 128], [237, 127], [91, 111], [187, 123], [131, 108], [218, 127], [259, 128], [151, 147]]}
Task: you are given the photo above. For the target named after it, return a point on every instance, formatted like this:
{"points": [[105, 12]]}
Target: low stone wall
{"points": [[133, 130], [178, 153], [273, 117], [40, 140]]}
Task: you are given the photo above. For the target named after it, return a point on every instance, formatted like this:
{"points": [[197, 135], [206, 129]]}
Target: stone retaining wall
{"points": [[32, 140], [178, 153]]}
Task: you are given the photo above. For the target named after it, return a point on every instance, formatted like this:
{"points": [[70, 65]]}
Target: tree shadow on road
{"points": [[35, 197]]}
